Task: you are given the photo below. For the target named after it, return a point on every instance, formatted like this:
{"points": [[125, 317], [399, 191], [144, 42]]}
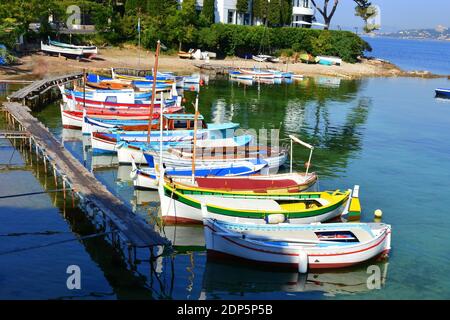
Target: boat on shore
{"points": [[265, 58], [75, 53], [329, 60], [87, 50], [299, 247]]}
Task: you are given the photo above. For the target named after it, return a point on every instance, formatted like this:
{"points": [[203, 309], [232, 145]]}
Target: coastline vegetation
{"points": [[178, 28]]}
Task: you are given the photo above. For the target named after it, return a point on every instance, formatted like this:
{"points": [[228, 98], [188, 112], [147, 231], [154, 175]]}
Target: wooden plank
{"points": [[44, 84], [134, 228]]}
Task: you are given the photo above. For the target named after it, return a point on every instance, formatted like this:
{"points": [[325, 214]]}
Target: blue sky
{"points": [[397, 14]]}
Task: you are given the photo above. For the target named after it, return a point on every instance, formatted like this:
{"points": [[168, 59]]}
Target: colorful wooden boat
{"points": [[110, 85], [78, 103], [307, 58], [171, 121], [87, 50], [239, 75], [182, 124], [271, 183], [183, 205], [301, 247], [148, 178], [75, 119], [442, 93], [185, 55], [329, 60], [257, 73], [67, 52]]}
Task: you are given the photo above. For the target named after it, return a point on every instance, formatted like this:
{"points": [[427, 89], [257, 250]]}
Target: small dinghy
{"points": [[303, 247]]}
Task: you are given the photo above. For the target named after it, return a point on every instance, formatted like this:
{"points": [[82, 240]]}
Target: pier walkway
{"points": [[94, 195], [40, 87]]}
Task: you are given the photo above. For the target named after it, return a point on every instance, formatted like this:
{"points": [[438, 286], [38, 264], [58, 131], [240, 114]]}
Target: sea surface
{"points": [[413, 55], [388, 135]]}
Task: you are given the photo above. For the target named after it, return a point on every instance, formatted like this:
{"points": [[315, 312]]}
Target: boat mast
{"points": [[161, 121], [194, 152], [152, 104], [307, 145]]}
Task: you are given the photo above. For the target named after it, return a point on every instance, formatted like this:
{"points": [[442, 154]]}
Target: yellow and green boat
{"points": [[181, 204]]}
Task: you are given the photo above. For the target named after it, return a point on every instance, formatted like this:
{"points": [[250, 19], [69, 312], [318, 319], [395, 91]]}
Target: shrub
{"points": [[235, 39]]}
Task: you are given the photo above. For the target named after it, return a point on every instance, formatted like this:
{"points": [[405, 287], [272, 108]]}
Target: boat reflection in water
{"points": [[226, 277], [185, 238]]}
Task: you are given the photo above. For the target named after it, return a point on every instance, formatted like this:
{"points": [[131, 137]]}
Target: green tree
{"points": [[242, 6], [208, 11], [274, 13], [286, 12], [366, 11], [132, 7], [260, 8], [182, 25]]}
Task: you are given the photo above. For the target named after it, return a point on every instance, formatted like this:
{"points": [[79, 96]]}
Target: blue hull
{"points": [[443, 93]]}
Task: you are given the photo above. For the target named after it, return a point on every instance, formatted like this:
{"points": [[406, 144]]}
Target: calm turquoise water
{"points": [[390, 136], [429, 55]]}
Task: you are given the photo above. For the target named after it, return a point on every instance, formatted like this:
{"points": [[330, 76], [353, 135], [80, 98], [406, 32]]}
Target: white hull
{"points": [[126, 155], [70, 121], [295, 255]]}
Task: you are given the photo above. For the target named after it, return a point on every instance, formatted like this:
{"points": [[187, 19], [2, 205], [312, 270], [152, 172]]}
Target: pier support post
{"points": [[64, 188], [45, 164], [56, 178]]}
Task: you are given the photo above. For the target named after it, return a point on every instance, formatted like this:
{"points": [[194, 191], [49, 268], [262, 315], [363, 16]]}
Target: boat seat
{"points": [[294, 206], [239, 203], [294, 234]]}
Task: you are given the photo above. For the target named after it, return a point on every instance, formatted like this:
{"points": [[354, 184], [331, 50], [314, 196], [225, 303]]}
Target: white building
{"points": [[225, 12], [302, 11]]}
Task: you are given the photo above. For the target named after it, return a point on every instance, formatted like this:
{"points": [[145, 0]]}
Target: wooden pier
{"points": [[132, 229], [37, 89], [11, 134]]}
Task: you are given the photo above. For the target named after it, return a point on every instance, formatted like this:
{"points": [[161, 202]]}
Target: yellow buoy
{"points": [[378, 213]]}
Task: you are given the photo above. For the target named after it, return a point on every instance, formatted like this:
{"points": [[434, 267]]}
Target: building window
{"points": [[306, 3], [247, 19], [230, 16]]}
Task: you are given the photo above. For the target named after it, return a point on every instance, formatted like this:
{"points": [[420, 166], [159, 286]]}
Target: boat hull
{"points": [[179, 209], [217, 243], [443, 93]]}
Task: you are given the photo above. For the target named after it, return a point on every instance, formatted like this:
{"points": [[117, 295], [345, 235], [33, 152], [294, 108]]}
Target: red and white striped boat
{"points": [[74, 119], [283, 182]]}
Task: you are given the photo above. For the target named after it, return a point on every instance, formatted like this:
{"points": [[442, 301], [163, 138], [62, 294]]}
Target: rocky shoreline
{"points": [[37, 65]]}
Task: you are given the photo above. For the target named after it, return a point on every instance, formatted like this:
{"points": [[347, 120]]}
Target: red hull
{"points": [[107, 113], [128, 110], [111, 104], [224, 183]]}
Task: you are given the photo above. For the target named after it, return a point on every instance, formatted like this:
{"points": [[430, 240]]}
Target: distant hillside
{"points": [[439, 33]]}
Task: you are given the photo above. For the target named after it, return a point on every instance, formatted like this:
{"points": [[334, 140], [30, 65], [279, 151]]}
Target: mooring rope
{"points": [[34, 193], [55, 243]]}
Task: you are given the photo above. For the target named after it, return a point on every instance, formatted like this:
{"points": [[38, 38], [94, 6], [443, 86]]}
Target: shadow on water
{"points": [[125, 283]]}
